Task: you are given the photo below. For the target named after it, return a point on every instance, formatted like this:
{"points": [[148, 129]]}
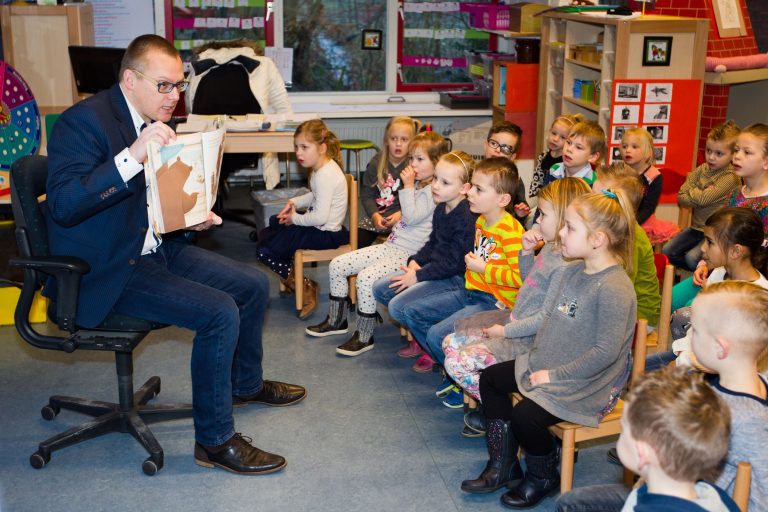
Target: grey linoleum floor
{"points": [[371, 435]]}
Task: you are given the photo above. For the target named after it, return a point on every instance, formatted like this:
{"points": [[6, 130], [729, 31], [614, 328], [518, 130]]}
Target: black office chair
{"points": [[118, 334]]}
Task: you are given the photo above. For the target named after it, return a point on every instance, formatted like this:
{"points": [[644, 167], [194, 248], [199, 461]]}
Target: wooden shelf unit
{"points": [[622, 41]]}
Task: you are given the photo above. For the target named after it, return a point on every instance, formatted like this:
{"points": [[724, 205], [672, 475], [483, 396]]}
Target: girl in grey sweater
{"points": [[579, 358], [480, 341]]}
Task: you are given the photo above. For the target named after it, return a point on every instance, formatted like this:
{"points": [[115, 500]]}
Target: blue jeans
{"points": [[595, 498], [684, 251], [432, 318], [224, 302]]}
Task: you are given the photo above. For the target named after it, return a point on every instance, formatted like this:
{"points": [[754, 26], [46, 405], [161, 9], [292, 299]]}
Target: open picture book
{"points": [[183, 179]]}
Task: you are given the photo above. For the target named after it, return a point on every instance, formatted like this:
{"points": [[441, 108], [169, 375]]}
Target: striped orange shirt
{"points": [[499, 246]]}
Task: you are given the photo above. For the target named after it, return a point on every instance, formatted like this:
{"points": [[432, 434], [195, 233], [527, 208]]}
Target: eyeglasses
{"points": [[504, 148], [164, 87]]}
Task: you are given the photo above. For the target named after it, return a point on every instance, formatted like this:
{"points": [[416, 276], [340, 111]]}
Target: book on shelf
{"points": [[183, 179]]}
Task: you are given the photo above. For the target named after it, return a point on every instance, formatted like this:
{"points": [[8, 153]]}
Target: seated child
{"points": [[637, 152], [442, 257], [730, 322], [644, 279], [376, 261], [479, 340], [504, 140], [492, 276], [381, 181], [674, 434], [553, 154], [704, 191], [321, 227], [584, 148]]}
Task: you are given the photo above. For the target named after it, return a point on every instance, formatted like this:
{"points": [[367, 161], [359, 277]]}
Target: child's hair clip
{"points": [[608, 193]]}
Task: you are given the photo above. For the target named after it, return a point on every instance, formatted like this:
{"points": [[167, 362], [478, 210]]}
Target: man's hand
{"points": [[494, 331], [213, 220], [405, 280], [408, 177], [158, 132], [540, 377], [474, 263], [390, 220]]}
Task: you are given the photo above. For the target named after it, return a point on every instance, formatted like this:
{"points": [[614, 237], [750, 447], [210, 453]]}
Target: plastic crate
{"points": [[487, 16], [269, 202]]}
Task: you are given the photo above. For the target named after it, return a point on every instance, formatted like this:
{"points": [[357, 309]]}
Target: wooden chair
{"points": [[666, 275], [572, 433], [303, 256], [741, 485]]}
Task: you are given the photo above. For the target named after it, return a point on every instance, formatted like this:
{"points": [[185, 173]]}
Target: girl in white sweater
{"points": [[377, 261], [320, 227]]}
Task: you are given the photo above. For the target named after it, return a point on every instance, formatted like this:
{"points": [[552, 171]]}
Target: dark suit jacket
{"points": [[93, 213]]}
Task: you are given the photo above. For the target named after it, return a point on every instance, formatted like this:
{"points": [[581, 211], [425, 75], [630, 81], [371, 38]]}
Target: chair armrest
{"points": [[67, 271]]}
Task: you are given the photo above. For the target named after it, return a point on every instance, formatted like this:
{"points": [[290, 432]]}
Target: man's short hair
{"points": [[742, 314], [139, 47], [503, 173], [683, 419], [510, 128], [621, 175], [593, 135]]}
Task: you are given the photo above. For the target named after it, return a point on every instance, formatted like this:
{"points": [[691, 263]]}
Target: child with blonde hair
{"points": [[321, 227], [376, 261], [637, 152], [584, 148], [553, 154], [704, 191], [480, 340], [442, 257], [381, 181], [578, 362]]}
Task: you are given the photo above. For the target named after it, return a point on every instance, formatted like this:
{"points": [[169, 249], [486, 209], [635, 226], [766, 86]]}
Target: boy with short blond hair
{"points": [[584, 148], [730, 334], [674, 434]]}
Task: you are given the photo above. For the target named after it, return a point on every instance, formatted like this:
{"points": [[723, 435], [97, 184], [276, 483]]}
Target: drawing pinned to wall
{"points": [[618, 133], [659, 133], [615, 154], [628, 92], [660, 154], [730, 22], [626, 114], [658, 93], [656, 113]]}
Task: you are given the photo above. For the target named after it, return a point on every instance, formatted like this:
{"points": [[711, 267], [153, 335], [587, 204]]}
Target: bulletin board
{"points": [[669, 110]]}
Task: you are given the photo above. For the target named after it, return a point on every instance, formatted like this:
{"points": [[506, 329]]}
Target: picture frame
{"points": [[657, 50], [728, 18], [371, 39]]}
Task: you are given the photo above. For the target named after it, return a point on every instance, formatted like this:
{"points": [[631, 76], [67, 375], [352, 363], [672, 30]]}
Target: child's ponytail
{"points": [[318, 133]]}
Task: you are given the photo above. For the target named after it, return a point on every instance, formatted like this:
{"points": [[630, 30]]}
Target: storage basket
{"points": [[487, 16]]}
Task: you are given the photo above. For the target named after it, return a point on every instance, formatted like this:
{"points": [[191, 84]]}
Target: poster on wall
{"points": [[669, 111], [117, 22]]}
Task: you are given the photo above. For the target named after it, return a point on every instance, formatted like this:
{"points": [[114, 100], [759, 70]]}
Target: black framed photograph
{"points": [[371, 39], [657, 50]]}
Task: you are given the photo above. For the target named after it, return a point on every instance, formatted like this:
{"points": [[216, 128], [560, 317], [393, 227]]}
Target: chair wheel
{"points": [[38, 461], [48, 412], [150, 467]]}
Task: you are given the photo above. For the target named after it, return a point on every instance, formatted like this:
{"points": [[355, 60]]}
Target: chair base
{"points": [[111, 417]]}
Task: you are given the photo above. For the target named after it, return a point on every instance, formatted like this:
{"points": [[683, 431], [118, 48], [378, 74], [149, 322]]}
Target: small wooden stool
{"points": [[356, 146]]}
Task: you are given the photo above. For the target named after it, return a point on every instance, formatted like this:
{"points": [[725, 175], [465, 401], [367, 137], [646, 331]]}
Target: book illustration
{"points": [[183, 179]]}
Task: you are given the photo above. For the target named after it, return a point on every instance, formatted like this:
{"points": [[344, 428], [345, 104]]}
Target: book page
{"points": [[213, 149]]}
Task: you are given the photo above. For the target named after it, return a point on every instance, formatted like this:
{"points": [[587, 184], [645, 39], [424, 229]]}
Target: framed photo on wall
{"points": [[657, 50], [371, 39], [730, 22]]}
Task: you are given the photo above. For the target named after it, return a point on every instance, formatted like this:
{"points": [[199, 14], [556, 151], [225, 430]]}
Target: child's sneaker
{"points": [[423, 364], [444, 387], [468, 432], [412, 350], [454, 399]]}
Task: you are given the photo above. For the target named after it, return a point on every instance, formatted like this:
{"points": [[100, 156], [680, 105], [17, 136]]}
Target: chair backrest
{"points": [[352, 210], [639, 347], [741, 485], [29, 175], [666, 274]]}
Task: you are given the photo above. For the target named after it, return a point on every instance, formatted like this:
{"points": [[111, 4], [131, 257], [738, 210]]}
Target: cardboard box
{"points": [[9, 296], [521, 17]]}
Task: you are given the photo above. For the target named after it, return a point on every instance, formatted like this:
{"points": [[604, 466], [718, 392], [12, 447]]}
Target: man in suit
{"points": [[98, 211]]}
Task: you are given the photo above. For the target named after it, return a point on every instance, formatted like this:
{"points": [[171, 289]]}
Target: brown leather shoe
{"points": [[311, 291], [238, 456], [274, 393], [288, 283]]}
